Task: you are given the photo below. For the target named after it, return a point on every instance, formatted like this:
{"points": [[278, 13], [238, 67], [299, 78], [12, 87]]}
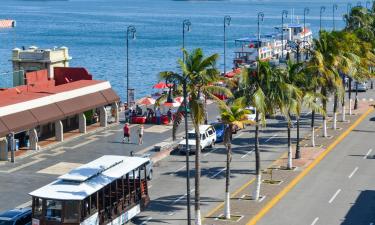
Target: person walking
{"points": [[169, 114], [140, 134], [158, 116], [126, 133]]}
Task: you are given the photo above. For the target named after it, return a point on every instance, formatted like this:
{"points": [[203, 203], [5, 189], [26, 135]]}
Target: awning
{"points": [[48, 113], [110, 95], [3, 129], [20, 121]]}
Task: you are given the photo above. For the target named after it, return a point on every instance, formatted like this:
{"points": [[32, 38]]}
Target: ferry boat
{"points": [[270, 46]]}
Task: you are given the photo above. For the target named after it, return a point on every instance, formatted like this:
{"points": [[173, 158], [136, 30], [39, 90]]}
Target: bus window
{"points": [[37, 212], [71, 212], [94, 202], [53, 210]]}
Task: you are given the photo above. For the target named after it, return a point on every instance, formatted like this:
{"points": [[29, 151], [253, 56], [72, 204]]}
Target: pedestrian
{"points": [[140, 134], [169, 114], [126, 133], [158, 116]]}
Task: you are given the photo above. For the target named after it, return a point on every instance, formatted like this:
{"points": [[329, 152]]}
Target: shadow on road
{"points": [[362, 210]]}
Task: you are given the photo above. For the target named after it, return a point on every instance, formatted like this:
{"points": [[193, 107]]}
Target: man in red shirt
{"points": [[126, 133]]}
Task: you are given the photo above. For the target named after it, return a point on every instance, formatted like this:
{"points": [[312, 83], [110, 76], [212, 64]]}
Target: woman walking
{"points": [[140, 134]]}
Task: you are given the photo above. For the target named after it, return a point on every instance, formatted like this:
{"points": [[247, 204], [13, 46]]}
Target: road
{"points": [[340, 190], [167, 189]]}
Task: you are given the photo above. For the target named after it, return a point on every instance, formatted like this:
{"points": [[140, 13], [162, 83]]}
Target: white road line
{"points": [[315, 220], [273, 136], [355, 170], [180, 169], [26, 204], [182, 197], [368, 153], [145, 222], [334, 196], [210, 152], [306, 114], [218, 173], [239, 135], [248, 153]]}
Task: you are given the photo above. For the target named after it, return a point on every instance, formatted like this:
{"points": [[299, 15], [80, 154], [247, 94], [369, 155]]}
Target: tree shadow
{"points": [[362, 210]]}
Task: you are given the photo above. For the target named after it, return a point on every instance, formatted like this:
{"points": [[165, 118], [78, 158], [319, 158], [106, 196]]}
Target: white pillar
{"points": [[103, 117], [115, 109], [33, 139], [59, 131], [82, 123], [3, 149]]}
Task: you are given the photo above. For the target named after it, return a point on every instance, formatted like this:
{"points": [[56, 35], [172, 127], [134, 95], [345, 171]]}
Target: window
{"points": [[37, 207], [71, 212], [210, 132], [53, 210]]}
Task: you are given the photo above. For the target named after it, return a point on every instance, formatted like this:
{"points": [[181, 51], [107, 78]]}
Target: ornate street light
{"points": [[130, 31], [260, 18], [227, 20], [186, 24], [322, 10], [305, 12], [334, 8], [283, 13]]}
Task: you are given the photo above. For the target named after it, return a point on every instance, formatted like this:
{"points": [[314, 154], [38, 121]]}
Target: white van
{"points": [[208, 138]]}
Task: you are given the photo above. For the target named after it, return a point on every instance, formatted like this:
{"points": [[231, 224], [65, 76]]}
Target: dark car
{"points": [[16, 217]]}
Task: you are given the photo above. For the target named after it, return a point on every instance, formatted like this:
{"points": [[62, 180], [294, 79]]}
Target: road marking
{"points": [[273, 136], [334, 196], [214, 149], [218, 173], [182, 197], [270, 204], [248, 153], [368, 153], [315, 220], [145, 222], [355, 170]]}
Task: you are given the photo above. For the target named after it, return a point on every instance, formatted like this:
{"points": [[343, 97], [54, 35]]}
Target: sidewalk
{"points": [[246, 211]]}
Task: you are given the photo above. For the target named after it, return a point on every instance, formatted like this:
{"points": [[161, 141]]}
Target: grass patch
{"points": [[233, 218], [273, 182]]}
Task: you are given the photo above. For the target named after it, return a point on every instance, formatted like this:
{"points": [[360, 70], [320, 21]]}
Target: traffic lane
{"points": [[327, 185]]}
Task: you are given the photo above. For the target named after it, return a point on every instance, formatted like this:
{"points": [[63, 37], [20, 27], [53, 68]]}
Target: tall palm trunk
{"points": [[290, 160], [335, 104], [324, 117], [257, 159], [198, 220], [343, 109], [298, 148], [313, 125], [228, 133]]}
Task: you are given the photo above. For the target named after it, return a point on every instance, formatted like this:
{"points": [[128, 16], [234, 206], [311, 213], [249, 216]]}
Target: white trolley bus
{"points": [[109, 190]]}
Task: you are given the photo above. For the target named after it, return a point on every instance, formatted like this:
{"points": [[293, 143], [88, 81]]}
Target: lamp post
{"points": [[322, 10], [131, 30], [359, 4], [305, 12], [334, 8], [348, 9], [283, 13], [368, 4], [227, 20], [260, 18], [186, 24]]}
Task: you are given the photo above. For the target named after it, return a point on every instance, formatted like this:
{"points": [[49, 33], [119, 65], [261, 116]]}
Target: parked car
{"points": [[362, 86], [16, 217], [208, 139], [252, 115], [149, 167]]}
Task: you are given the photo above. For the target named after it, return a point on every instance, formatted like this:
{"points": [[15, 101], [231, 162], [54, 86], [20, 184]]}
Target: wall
{"points": [[65, 75]]}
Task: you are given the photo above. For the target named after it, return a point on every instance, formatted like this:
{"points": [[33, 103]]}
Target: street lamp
{"points": [[305, 12], [359, 4], [131, 30], [227, 20], [322, 10], [260, 18], [186, 24], [348, 9], [334, 8], [368, 4], [283, 13]]}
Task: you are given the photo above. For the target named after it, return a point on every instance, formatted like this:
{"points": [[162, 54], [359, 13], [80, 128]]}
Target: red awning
{"points": [[162, 85]]}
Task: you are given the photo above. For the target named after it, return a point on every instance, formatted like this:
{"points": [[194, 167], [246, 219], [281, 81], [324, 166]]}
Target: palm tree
{"points": [[198, 73], [231, 115]]}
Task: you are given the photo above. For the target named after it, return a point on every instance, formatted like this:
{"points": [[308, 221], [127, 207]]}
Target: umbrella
{"points": [[146, 101], [174, 104], [162, 85], [179, 99]]}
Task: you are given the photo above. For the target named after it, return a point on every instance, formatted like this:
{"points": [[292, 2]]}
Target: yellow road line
{"points": [[296, 180]]}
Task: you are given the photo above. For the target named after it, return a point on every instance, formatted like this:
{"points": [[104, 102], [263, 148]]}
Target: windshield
{"points": [[3, 222]]}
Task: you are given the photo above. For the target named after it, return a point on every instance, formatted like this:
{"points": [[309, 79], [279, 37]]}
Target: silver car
{"points": [[362, 86]]}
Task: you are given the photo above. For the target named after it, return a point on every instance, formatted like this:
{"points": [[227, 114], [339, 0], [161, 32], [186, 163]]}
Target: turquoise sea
{"points": [[94, 31]]}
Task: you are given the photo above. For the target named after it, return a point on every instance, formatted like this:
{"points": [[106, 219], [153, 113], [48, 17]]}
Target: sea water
{"points": [[95, 32]]}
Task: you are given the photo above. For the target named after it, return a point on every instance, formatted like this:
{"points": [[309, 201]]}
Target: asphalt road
{"points": [[167, 189], [340, 190]]}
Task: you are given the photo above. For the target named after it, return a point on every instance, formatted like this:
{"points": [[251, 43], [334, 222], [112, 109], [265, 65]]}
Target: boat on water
{"points": [[271, 47]]}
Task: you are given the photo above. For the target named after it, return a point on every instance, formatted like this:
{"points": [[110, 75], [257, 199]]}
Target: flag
{"points": [[7, 23]]}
